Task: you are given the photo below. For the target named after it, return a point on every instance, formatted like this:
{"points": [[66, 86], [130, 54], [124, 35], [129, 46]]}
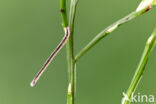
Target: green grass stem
{"points": [[141, 67], [110, 29]]}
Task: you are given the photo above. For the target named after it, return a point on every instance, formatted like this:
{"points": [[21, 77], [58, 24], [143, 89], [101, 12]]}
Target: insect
{"points": [[51, 57]]}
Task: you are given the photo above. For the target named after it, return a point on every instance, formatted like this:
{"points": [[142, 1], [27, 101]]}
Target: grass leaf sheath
{"points": [[70, 55]]}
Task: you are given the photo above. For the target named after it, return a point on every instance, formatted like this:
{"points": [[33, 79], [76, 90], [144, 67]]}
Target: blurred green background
{"points": [[31, 29]]}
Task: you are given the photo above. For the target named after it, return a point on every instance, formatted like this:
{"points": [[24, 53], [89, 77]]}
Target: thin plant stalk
{"points": [[112, 27], [59, 47], [68, 38], [141, 67], [70, 55]]}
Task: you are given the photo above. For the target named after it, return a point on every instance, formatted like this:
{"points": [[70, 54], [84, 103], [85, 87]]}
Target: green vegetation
{"points": [[144, 6]]}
